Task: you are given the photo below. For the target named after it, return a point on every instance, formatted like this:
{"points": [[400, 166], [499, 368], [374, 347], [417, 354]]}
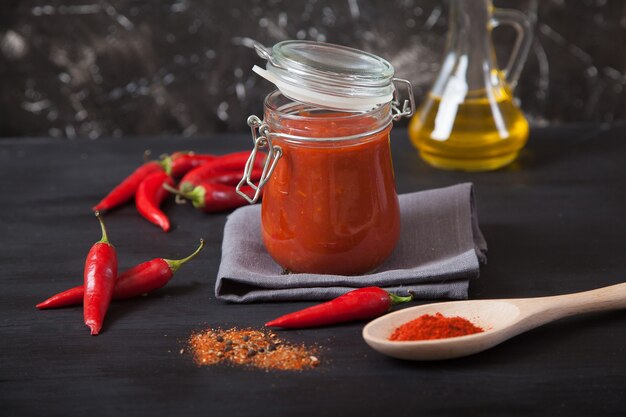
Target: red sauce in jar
{"points": [[330, 207]]}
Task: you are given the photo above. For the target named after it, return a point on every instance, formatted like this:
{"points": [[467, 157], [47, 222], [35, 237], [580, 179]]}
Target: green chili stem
{"points": [[105, 238], [397, 299], [175, 264]]}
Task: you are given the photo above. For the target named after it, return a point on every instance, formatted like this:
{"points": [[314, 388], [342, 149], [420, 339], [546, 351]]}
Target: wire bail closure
{"points": [[261, 140], [408, 106]]}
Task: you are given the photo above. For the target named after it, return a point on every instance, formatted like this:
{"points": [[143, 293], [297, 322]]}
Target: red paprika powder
{"points": [[428, 327]]}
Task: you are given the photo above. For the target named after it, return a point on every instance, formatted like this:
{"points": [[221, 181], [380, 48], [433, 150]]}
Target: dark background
{"points": [[137, 67]]}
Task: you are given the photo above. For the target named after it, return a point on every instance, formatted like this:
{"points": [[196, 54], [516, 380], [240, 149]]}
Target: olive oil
{"points": [[484, 132]]}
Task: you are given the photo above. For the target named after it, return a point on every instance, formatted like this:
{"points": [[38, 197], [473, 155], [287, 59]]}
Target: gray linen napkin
{"points": [[439, 251]]}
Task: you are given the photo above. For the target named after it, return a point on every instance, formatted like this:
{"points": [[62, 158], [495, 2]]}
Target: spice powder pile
{"points": [[429, 327], [249, 347]]}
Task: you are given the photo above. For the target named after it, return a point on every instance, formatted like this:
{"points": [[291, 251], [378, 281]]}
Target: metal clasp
{"points": [[261, 140], [266, 53], [408, 106]]}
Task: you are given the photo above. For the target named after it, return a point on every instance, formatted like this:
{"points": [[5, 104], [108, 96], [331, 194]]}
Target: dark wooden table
{"points": [[555, 223]]}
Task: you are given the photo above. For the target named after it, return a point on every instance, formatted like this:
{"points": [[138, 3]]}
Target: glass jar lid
{"points": [[327, 75]]}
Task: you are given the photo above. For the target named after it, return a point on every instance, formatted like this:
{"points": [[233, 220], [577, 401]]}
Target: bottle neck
{"points": [[470, 24], [470, 55]]}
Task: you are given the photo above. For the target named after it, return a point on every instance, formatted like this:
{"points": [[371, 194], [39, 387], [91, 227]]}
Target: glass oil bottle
{"points": [[469, 121]]}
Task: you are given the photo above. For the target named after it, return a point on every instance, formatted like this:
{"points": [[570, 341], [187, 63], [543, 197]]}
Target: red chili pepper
{"points": [[138, 280], [230, 162], [233, 177], [125, 191], [179, 163], [149, 197], [99, 277], [213, 197], [360, 304]]}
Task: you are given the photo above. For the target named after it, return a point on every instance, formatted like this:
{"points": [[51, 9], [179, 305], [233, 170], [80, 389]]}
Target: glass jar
{"points": [[329, 199]]}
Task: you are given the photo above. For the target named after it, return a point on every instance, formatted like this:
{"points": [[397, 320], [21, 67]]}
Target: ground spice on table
{"points": [[252, 348], [428, 327]]}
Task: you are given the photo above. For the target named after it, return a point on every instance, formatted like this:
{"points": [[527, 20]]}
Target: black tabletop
{"points": [[555, 222]]}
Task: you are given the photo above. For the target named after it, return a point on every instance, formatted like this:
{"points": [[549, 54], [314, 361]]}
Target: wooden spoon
{"points": [[501, 319]]}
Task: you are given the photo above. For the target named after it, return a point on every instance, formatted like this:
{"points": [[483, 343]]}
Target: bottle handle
{"points": [[522, 25]]}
